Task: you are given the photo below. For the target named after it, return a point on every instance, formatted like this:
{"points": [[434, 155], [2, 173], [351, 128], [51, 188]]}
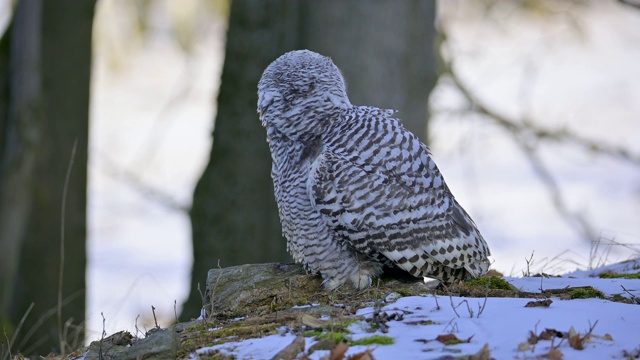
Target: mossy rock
{"points": [[611, 275], [258, 289], [586, 293], [491, 282]]}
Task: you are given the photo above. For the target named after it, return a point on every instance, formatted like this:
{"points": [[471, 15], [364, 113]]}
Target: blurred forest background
{"points": [[112, 190]]}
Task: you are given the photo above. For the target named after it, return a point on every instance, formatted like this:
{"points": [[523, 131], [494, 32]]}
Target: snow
{"points": [[625, 267], [504, 324], [609, 287]]}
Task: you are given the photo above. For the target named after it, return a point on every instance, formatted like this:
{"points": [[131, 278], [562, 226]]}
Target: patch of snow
{"points": [[305, 306], [608, 286], [625, 267], [263, 348], [503, 325]]}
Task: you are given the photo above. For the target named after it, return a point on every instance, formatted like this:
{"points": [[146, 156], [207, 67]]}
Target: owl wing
{"points": [[396, 203]]}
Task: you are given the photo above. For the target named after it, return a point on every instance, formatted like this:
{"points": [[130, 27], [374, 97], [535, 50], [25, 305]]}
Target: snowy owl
{"points": [[356, 191]]}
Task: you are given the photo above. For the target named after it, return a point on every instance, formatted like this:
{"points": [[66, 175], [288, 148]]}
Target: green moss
{"points": [[342, 324], [312, 333], [200, 337], [301, 301], [586, 293], [404, 292], [335, 336], [610, 275], [456, 342], [618, 298], [493, 282], [373, 340]]}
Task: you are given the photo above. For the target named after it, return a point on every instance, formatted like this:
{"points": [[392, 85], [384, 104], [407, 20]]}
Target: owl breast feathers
{"points": [[356, 191]]}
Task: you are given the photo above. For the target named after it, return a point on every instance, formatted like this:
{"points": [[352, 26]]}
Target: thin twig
{"points": [[104, 332], [138, 329], [65, 188], [529, 262], [633, 297], [486, 296], [433, 292], [175, 310], [204, 316], [8, 345], [155, 320], [453, 305], [20, 324]]}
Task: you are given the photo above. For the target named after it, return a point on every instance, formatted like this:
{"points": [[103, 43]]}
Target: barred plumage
{"points": [[355, 190]]}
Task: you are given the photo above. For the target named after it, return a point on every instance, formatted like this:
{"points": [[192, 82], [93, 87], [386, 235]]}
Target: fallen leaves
{"points": [[292, 350], [339, 351], [447, 339], [576, 340], [295, 350], [554, 354], [539, 303]]}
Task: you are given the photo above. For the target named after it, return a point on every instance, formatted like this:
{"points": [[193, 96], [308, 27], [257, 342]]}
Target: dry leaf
{"points": [[524, 346], [338, 351], [421, 322], [451, 339], [447, 338], [483, 354], [549, 334], [555, 354], [533, 339], [607, 337], [365, 355], [292, 350], [539, 303], [576, 342], [311, 321]]}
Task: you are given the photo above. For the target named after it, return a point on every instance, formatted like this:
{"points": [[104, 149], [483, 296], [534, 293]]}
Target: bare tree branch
{"points": [[143, 188], [526, 134], [523, 132], [633, 4], [526, 126]]}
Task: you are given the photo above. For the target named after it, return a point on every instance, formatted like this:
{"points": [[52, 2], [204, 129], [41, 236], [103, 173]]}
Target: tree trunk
{"points": [[234, 217], [47, 112], [385, 50]]}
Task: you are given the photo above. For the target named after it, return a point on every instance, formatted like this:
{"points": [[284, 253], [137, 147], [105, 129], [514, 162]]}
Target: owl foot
{"points": [[360, 279]]}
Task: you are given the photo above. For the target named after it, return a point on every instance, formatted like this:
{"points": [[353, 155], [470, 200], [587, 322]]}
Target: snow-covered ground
{"points": [[578, 68], [504, 324]]}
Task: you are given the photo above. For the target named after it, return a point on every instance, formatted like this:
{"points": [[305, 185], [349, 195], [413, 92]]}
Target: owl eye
{"points": [[299, 91], [290, 94]]}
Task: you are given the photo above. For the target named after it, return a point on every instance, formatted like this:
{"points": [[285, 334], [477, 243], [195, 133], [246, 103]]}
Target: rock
{"points": [[292, 350], [256, 289], [160, 345], [236, 288]]}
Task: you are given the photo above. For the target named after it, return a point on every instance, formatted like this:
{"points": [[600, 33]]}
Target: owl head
{"points": [[300, 93]]}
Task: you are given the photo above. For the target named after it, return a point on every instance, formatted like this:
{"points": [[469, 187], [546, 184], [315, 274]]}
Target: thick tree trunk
{"points": [[385, 49], [47, 112], [234, 216]]}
